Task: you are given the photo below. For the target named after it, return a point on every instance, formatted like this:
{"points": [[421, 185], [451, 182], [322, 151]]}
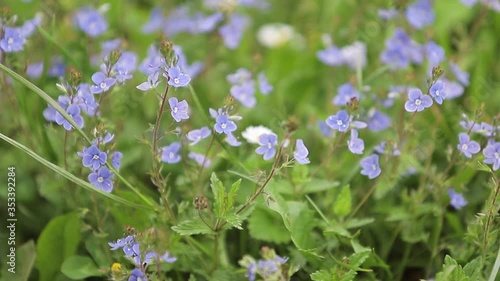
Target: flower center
{"points": [[437, 93], [223, 126], [269, 146], [95, 157], [464, 146], [497, 155], [418, 102], [339, 122], [171, 155], [100, 179], [10, 41], [175, 109], [102, 85], [374, 167], [176, 80]]}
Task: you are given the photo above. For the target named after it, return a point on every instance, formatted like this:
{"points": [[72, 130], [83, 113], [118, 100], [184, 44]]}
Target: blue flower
{"points": [[232, 140], [116, 159], [325, 130], [200, 159], [150, 84], [370, 166], [331, 56], [224, 125], [435, 53], [381, 149], [264, 86], [90, 21], [492, 155], [241, 76], [378, 121], [74, 111], [34, 70], [155, 21], [192, 70], [251, 271], [177, 78], [267, 145], [13, 40], [339, 122], [92, 157], [417, 101], [120, 243], [267, 267], [137, 275], [102, 83], [462, 76], [420, 14], [401, 50], [167, 258], [345, 93], [170, 153], [102, 179], [301, 153], [196, 136], [436, 91], [179, 109], [457, 200], [244, 93], [355, 144], [467, 146], [232, 32]]}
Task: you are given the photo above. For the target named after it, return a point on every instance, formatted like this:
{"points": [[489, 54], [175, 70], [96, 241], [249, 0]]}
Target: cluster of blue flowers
{"points": [[12, 37], [141, 259], [243, 86]]}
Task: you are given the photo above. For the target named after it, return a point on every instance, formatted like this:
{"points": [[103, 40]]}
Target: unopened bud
{"points": [[75, 76], [115, 56]]}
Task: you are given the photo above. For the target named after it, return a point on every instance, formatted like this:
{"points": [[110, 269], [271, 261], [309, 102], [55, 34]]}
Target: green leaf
{"points": [[192, 226], [67, 174], [355, 223], [267, 226], [233, 219], [338, 230], [277, 203], [93, 245], [301, 228], [342, 205], [80, 267], [25, 259], [232, 194], [452, 271], [322, 275], [58, 241], [473, 268], [219, 194]]}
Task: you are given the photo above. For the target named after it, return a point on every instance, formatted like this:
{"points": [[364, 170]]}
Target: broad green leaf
{"points": [[266, 225], [58, 241], [277, 203], [219, 195], [473, 269], [67, 174], [80, 267], [452, 271], [301, 227], [342, 205], [322, 275], [192, 226], [233, 219], [338, 230], [94, 246], [232, 194]]}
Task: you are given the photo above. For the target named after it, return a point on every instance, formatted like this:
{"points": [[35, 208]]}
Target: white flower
{"points": [[252, 133], [275, 34]]}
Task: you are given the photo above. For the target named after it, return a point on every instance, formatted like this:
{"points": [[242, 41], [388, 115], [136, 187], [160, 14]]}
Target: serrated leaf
{"points": [[277, 203], [219, 193], [322, 275], [357, 259], [338, 230], [354, 223], [80, 267], [266, 225], [192, 226], [232, 194], [342, 205], [301, 228], [233, 219], [473, 269]]}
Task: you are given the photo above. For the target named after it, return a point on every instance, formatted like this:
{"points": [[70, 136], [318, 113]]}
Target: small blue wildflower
{"points": [[378, 121], [205, 23], [417, 101], [90, 21], [232, 32], [197, 135], [92, 157], [325, 130], [370, 166], [436, 91], [34, 70], [345, 93], [381, 149], [264, 86], [74, 111], [150, 84], [200, 159], [57, 67], [153, 61], [244, 93], [241, 76], [13, 40], [85, 99], [267, 267], [267, 145], [167, 258], [155, 21], [224, 125], [331, 56], [102, 83], [339, 122], [401, 50], [462, 76], [420, 14], [492, 155], [457, 200], [435, 53], [170, 153], [232, 140], [126, 64], [177, 78], [102, 179], [467, 146], [137, 275], [251, 271], [192, 70], [120, 243], [300, 154], [354, 55], [179, 109], [179, 20], [355, 144], [116, 159], [453, 89]]}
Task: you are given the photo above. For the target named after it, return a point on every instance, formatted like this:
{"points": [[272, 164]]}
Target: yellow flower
{"points": [[116, 267]]}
